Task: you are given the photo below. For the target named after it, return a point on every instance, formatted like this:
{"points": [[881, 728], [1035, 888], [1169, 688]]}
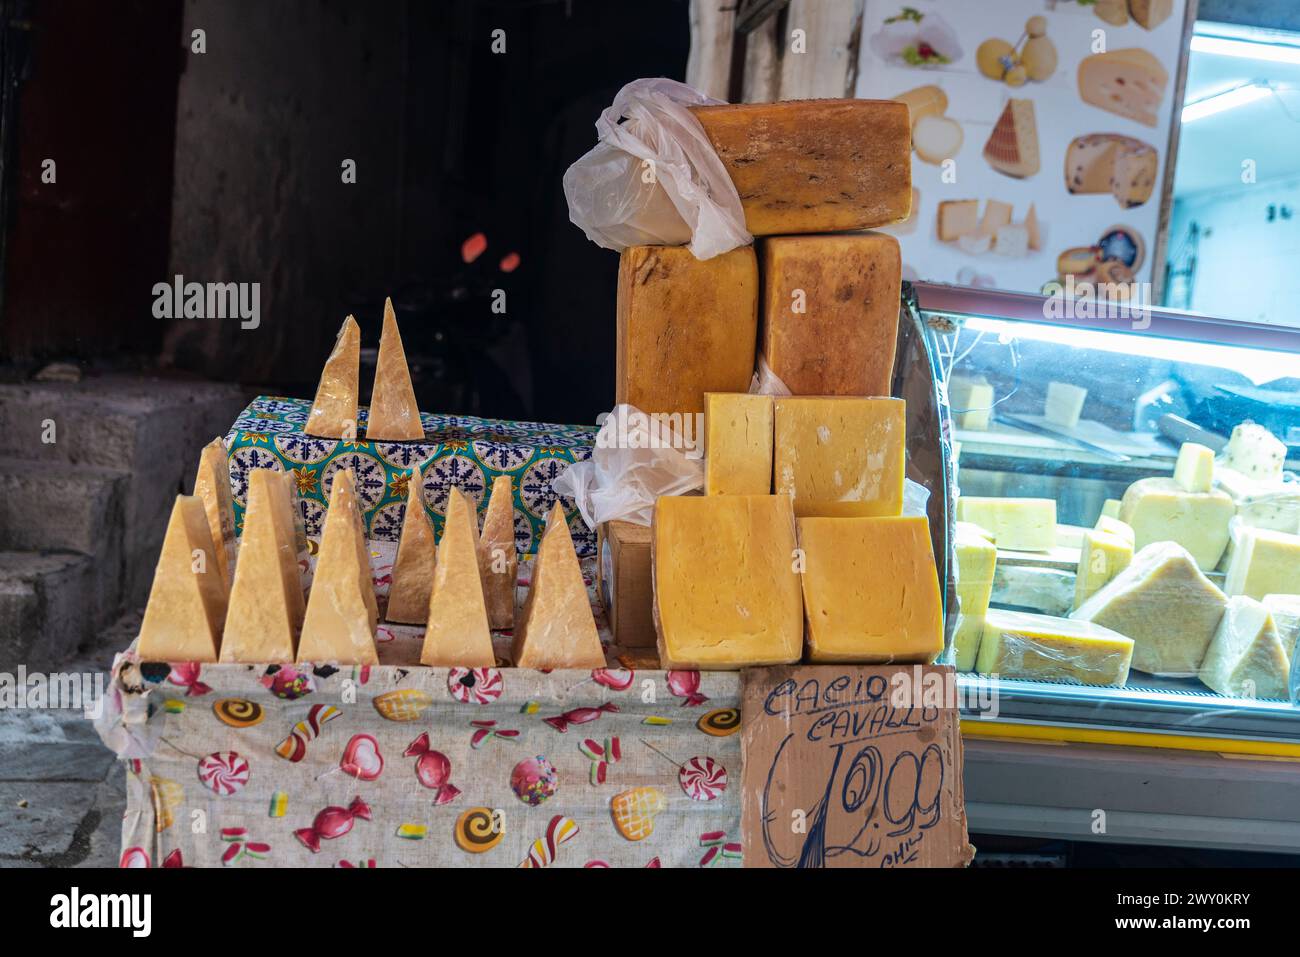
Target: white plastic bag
{"points": [[655, 179], [636, 459]]}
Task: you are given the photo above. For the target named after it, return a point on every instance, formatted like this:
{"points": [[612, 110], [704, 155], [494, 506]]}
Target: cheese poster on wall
{"points": [[1041, 134]]}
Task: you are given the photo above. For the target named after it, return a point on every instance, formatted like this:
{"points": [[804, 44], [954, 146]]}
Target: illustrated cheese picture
{"points": [[457, 634], [937, 138], [971, 401], [996, 215], [1033, 229], [1255, 452], [685, 326], [977, 558], [1161, 510], [1023, 524], [830, 312], [1165, 604], [1246, 658], [957, 218], [556, 628], [333, 412], [498, 558], [737, 444], [1011, 241], [1064, 404], [815, 166], [187, 603], [1122, 166], [726, 590], [1194, 470], [1151, 13], [840, 456], [408, 596], [1129, 83], [1044, 648], [1264, 562], [1102, 556], [870, 590], [212, 488], [975, 243], [393, 414], [1012, 147], [924, 101]]}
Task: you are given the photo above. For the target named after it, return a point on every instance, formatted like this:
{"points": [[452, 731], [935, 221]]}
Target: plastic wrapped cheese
{"points": [[1246, 658], [1022, 645], [977, 559]]}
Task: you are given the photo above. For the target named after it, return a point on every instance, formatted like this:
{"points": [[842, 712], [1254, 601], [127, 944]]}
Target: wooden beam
{"points": [[708, 67], [827, 65]]}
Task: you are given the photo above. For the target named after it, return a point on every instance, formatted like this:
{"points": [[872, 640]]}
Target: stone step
{"points": [[47, 606], [56, 506]]}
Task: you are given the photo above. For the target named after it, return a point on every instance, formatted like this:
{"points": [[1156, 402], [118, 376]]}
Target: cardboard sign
{"points": [[852, 766]]}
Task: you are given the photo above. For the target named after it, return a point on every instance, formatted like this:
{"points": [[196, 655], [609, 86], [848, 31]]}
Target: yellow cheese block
{"points": [[266, 605], [1102, 556], [840, 456], [1040, 647], [334, 411], [830, 312], [408, 596], [1113, 526], [726, 586], [556, 627], [870, 590], [971, 401], [457, 633], [737, 444], [1064, 404], [977, 559], [1194, 470], [1246, 658], [340, 622], [1110, 508], [1264, 562], [212, 487], [685, 326], [1161, 510], [393, 414], [815, 166], [1165, 604], [1023, 524], [498, 561], [187, 604]]}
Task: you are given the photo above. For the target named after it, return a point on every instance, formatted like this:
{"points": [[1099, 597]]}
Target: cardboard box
{"points": [[623, 583], [852, 766]]}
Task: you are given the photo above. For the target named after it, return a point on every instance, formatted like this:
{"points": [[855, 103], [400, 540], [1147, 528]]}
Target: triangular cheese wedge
{"points": [[212, 487], [297, 524], [394, 415], [1033, 229], [556, 628], [340, 622], [266, 606], [187, 603], [408, 598], [457, 634], [498, 562], [334, 411], [1246, 658], [1012, 147]]}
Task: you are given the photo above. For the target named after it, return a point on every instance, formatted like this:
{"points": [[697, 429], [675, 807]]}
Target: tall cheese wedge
{"points": [[1264, 562], [1044, 648], [1012, 146], [1102, 556], [830, 312], [212, 488], [457, 634], [1246, 658], [393, 416], [498, 560], [1165, 604], [870, 590], [737, 443], [556, 628], [1021, 524], [815, 166], [1161, 510], [837, 456], [725, 581], [187, 603], [408, 597], [340, 622], [1129, 83], [334, 410], [298, 524], [266, 604], [685, 326], [977, 561]]}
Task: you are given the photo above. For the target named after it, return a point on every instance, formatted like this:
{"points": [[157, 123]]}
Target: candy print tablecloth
{"points": [[256, 766], [459, 450]]}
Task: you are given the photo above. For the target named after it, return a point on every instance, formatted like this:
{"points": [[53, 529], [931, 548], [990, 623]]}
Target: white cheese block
{"points": [[975, 243], [1255, 452], [936, 138], [1011, 241], [1064, 404], [1165, 604], [1274, 505], [1194, 470], [1110, 508], [1161, 510], [1024, 524], [1264, 562], [1246, 658]]}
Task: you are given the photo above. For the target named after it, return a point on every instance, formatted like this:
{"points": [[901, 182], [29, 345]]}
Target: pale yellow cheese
{"points": [[1041, 647], [1161, 510], [1194, 470], [839, 455], [212, 487], [1113, 526], [457, 633], [737, 443], [1262, 503], [1246, 658], [1285, 610], [1255, 452], [977, 559], [498, 560], [726, 582], [1023, 524], [1110, 508], [1102, 556], [394, 415], [556, 627], [334, 411], [297, 525], [870, 590], [187, 603], [1165, 604], [971, 401], [1264, 562], [408, 596], [1064, 404]]}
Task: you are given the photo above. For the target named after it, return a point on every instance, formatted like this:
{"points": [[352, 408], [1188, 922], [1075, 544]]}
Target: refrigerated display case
{"points": [[1155, 755]]}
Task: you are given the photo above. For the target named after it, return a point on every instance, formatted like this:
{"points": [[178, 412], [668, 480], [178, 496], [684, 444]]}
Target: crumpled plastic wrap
{"points": [[1020, 653]]}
